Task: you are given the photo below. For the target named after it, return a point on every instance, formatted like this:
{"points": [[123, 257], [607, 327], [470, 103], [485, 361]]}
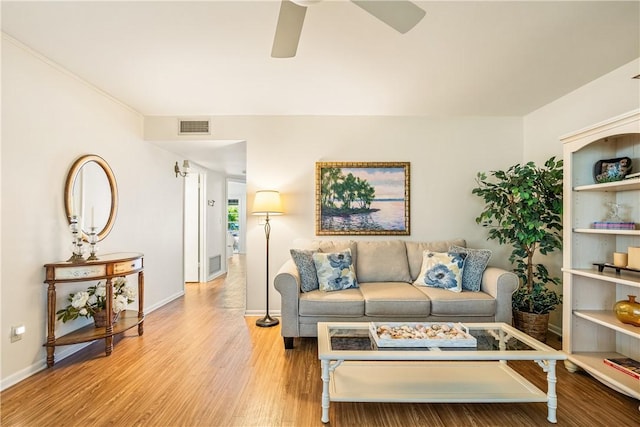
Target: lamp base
{"points": [[267, 321]]}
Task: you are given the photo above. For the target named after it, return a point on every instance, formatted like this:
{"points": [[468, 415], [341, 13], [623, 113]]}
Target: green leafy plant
{"points": [[524, 209], [94, 299]]}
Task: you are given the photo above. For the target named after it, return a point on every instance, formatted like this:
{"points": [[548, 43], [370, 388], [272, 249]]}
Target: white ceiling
{"points": [[213, 57]]}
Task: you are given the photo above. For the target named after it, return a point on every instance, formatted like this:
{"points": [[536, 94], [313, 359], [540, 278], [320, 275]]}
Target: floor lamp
{"points": [[267, 202]]}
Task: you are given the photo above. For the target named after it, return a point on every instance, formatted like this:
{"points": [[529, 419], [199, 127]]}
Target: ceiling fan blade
{"points": [[290, 20], [401, 15]]}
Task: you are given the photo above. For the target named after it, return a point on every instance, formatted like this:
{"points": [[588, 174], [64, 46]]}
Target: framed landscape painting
{"points": [[362, 198]]}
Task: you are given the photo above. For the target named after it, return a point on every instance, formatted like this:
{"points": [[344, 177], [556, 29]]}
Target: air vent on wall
{"points": [[194, 127]]}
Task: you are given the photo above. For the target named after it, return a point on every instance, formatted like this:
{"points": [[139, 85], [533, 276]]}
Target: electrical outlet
{"points": [[17, 332]]}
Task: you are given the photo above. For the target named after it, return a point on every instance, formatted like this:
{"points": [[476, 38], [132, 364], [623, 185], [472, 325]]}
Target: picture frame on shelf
{"points": [[362, 198]]}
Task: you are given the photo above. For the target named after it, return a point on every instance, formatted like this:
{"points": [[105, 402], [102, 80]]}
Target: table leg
{"points": [[325, 391], [549, 366], [51, 324], [141, 302], [108, 342]]}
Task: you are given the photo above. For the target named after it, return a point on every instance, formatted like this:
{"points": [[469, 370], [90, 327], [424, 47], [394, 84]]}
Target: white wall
{"points": [[216, 235], [445, 155], [50, 118], [609, 96]]}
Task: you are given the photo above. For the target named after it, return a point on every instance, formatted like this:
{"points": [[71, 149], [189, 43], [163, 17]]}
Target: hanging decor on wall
{"points": [[367, 198]]}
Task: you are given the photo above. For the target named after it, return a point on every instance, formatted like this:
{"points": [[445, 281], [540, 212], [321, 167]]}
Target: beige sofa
{"points": [[385, 271]]}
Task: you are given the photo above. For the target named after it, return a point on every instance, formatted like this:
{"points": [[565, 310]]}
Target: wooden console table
{"points": [[108, 267]]}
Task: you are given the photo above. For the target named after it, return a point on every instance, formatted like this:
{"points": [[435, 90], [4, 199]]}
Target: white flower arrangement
{"points": [[86, 303]]}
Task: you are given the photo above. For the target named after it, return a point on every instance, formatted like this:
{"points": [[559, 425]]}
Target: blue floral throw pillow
{"points": [[442, 270], [335, 270]]}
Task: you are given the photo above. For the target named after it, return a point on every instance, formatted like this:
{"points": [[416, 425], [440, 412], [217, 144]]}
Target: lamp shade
{"points": [[267, 202]]}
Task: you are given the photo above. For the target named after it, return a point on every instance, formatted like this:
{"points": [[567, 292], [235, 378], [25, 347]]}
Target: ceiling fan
{"points": [[401, 15]]}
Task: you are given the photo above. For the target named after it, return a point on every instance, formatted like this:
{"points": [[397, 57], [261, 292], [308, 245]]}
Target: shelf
{"points": [[604, 231], [593, 364], [376, 381], [608, 319], [624, 185], [624, 278], [128, 319]]}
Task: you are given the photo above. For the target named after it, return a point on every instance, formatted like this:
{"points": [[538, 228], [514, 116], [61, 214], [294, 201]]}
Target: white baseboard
{"points": [[216, 275], [66, 351], [555, 329], [163, 302]]}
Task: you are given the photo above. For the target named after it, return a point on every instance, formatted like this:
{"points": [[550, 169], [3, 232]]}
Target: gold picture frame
{"points": [[362, 198]]}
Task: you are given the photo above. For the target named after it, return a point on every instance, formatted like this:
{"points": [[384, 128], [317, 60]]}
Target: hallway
{"points": [[235, 286]]}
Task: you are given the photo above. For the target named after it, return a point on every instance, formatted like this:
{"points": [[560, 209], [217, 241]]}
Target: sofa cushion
{"points": [[395, 299], [382, 261], [306, 269], [445, 303], [442, 270], [415, 251], [344, 303], [474, 266], [335, 270]]}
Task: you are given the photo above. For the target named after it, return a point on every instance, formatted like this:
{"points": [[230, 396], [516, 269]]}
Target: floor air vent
{"points": [[194, 127], [215, 264]]}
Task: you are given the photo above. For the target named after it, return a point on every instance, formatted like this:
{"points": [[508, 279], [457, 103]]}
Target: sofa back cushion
{"points": [[416, 249], [382, 261]]}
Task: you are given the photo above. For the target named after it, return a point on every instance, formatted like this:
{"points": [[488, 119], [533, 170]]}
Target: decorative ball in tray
{"points": [[396, 334]]}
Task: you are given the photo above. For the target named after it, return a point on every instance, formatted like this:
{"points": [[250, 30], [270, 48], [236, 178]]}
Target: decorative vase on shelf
{"points": [[100, 318], [628, 311]]}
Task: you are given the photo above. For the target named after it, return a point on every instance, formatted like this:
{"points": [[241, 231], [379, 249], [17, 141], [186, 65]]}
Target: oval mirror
{"points": [[91, 193]]}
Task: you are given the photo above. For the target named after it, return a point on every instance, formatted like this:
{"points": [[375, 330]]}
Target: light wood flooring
{"points": [[200, 362]]}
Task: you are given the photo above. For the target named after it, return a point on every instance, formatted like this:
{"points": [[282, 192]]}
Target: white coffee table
{"points": [[354, 371]]}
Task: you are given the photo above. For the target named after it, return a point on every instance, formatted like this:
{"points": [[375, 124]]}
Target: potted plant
{"points": [[93, 302], [524, 209]]}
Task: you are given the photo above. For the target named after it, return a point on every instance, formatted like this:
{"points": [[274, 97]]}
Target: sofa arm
{"points": [[500, 284], [287, 282]]}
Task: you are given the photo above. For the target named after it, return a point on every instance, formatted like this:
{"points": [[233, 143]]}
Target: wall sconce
{"points": [[185, 166]]}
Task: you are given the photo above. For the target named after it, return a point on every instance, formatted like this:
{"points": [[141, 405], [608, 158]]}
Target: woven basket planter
{"points": [[534, 325], [100, 318]]}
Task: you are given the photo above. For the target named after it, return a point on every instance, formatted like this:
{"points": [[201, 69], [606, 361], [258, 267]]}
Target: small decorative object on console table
{"points": [[77, 247], [267, 202], [110, 267], [93, 240]]}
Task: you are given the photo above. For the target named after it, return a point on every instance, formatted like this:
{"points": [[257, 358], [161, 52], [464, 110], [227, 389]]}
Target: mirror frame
{"points": [[68, 191]]}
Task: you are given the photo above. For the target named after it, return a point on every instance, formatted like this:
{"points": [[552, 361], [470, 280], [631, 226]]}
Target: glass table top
{"points": [[490, 337]]}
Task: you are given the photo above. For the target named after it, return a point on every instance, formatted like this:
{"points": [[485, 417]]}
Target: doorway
{"points": [[194, 227], [236, 214]]}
